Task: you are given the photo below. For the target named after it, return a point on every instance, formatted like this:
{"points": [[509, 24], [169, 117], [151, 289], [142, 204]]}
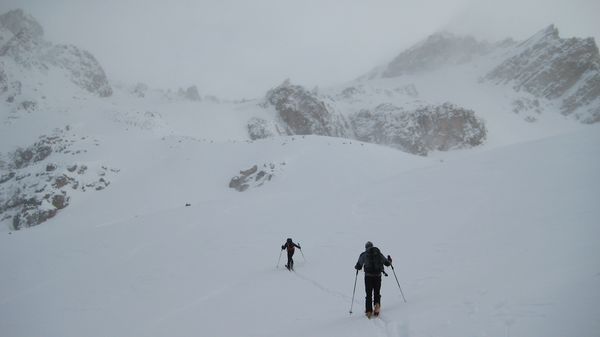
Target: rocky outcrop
{"points": [[3, 79], [23, 46], [34, 188], [418, 131], [303, 113], [82, 67], [253, 177], [18, 22], [191, 93], [529, 108], [258, 128], [427, 128], [567, 70]]}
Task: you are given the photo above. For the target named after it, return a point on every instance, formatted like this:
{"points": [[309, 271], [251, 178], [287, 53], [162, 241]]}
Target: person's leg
{"points": [[369, 297], [377, 293]]}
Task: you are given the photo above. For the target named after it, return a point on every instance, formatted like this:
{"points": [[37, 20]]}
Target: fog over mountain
{"points": [[238, 49]]}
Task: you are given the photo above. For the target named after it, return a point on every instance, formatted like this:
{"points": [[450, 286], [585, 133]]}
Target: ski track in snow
{"points": [[323, 288], [384, 327], [389, 328]]}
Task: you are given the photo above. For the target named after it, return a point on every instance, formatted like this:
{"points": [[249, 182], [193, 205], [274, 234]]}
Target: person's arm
{"points": [[387, 261], [360, 262], [283, 246], [297, 246]]}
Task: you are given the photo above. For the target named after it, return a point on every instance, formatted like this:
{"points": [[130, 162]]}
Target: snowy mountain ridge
{"points": [[542, 75], [567, 70], [431, 98]]}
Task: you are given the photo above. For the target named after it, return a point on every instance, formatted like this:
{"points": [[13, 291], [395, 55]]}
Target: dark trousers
{"points": [[373, 288], [290, 260]]}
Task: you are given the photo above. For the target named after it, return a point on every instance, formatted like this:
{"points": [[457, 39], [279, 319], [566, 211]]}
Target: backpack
{"points": [[373, 261], [289, 244]]}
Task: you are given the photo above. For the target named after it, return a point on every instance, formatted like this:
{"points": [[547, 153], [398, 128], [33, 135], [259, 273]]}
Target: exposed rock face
{"points": [[3, 80], [302, 113], [550, 67], [253, 177], [420, 131], [437, 50], [258, 129], [37, 152], [16, 21], [8, 88], [34, 189], [21, 37], [83, 68], [191, 93], [22, 46]]}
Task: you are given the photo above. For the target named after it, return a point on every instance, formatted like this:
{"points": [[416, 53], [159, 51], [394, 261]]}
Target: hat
{"points": [[368, 245]]}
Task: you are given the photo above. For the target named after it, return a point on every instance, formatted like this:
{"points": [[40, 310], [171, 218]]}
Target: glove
{"points": [[389, 259], [357, 267], [299, 247], [283, 247]]}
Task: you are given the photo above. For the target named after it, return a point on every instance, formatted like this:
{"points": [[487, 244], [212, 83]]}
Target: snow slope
{"points": [[489, 243]]}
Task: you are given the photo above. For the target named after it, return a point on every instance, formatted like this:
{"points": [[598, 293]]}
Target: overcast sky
{"points": [[241, 48]]}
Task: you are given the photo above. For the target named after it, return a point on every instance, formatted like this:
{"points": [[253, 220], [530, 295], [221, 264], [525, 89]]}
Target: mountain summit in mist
{"points": [[565, 71], [29, 62]]}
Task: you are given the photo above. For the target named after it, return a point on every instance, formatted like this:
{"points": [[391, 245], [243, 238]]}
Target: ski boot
{"points": [[376, 311]]}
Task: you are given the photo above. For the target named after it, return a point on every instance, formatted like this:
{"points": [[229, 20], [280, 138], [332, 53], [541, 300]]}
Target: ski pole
{"points": [[398, 283], [353, 291], [280, 252], [301, 252]]}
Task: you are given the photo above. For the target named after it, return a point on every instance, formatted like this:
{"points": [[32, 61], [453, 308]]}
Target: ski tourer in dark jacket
{"points": [[291, 247], [373, 262]]}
